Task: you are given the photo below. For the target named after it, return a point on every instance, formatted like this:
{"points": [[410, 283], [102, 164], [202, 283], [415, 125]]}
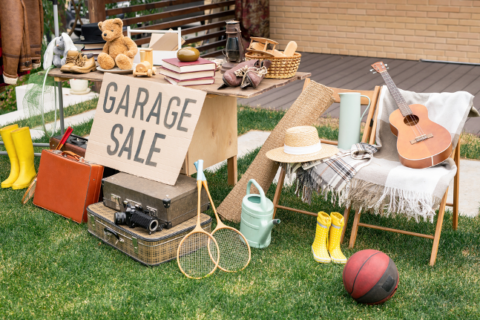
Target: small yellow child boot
{"points": [[6, 134], [319, 246], [24, 148], [334, 239]]}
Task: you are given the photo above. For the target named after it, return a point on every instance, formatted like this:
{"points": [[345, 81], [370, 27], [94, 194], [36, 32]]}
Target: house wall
{"points": [[403, 29]]}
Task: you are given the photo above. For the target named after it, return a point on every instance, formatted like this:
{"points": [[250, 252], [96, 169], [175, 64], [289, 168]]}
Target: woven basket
{"points": [[281, 68]]}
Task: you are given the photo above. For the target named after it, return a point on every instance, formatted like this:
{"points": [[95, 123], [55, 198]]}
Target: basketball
{"points": [[370, 277]]}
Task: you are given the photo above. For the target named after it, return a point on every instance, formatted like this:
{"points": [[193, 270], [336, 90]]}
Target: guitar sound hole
{"points": [[411, 120]]}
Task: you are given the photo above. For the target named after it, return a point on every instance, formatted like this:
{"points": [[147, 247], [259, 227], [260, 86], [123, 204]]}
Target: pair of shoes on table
{"points": [[77, 62], [246, 74], [18, 143], [326, 245]]}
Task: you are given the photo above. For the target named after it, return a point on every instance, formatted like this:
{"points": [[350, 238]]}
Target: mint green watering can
{"points": [[257, 214], [350, 119]]}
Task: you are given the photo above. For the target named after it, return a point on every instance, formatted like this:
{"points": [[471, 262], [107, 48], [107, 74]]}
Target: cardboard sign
{"points": [[143, 128], [164, 42]]}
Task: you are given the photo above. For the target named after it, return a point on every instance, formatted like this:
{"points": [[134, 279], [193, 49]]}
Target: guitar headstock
{"points": [[379, 67]]}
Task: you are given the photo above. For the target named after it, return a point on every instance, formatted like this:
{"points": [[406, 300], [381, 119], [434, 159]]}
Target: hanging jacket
{"points": [[21, 23]]}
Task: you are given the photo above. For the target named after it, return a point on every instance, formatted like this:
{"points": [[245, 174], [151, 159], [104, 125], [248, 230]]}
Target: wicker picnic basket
{"points": [[151, 250], [281, 68]]}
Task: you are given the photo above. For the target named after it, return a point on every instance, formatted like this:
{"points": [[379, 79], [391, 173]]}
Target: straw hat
{"points": [[301, 145]]}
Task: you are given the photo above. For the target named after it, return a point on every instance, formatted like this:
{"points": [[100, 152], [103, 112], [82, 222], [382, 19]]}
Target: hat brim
{"points": [[279, 155]]}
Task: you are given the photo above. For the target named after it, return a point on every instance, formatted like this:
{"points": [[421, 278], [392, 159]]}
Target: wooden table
{"points": [[215, 137]]}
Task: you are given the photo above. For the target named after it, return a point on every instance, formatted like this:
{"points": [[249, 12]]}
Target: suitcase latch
{"points": [[91, 218], [135, 244], [115, 199], [152, 211], [167, 202]]}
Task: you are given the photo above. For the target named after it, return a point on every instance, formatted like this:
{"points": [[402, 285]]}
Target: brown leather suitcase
{"points": [[67, 184], [171, 205], [78, 145]]}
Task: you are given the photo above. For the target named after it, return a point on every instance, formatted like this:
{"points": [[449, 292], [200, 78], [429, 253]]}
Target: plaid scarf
{"points": [[332, 174]]}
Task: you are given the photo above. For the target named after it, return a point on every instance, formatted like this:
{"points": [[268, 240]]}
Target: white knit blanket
{"points": [[387, 187]]}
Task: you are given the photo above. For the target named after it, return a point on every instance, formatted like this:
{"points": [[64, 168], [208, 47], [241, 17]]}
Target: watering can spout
{"points": [[267, 228]]}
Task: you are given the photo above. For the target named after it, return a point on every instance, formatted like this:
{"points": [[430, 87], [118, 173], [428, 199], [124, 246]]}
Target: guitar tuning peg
{"points": [[388, 68], [374, 72], [371, 70], [386, 64]]}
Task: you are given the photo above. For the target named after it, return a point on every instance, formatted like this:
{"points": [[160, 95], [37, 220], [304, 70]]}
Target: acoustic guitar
{"points": [[421, 143]]}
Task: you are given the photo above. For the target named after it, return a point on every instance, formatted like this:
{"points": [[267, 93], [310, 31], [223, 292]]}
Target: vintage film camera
{"points": [[134, 216]]}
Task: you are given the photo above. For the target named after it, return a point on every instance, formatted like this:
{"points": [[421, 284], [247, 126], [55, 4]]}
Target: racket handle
{"points": [[199, 166]]}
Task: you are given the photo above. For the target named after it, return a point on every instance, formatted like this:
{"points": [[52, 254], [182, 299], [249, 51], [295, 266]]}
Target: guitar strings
{"points": [[410, 116]]}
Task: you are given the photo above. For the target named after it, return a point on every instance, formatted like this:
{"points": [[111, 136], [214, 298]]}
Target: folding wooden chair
{"points": [[441, 213], [369, 136]]}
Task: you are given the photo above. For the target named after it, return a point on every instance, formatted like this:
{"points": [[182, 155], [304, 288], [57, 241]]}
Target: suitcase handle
{"points": [[112, 232], [71, 155]]}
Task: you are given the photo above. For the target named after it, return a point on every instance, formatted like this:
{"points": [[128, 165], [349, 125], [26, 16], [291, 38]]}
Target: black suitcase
{"points": [[171, 205]]}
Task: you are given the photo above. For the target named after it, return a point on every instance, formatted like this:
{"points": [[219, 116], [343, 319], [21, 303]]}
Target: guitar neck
{"points": [[402, 104]]}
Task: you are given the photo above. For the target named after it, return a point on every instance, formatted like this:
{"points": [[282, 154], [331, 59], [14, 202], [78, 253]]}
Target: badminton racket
{"points": [[198, 252], [235, 251]]}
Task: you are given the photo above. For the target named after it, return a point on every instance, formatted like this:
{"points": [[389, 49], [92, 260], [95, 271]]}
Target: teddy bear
{"points": [[119, 50]]}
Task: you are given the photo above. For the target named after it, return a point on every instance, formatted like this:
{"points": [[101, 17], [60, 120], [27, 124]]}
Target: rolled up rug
{"points": [[311, 104]]}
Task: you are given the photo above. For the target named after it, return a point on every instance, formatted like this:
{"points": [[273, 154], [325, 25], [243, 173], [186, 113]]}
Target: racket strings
{"points": [[198, 255], [234, 250]]}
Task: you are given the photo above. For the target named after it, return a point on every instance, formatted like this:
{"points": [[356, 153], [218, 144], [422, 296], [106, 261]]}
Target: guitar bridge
{"points": [[421, 138]]}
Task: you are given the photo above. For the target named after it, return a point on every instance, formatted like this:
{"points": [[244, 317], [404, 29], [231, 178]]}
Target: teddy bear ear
{"points": [[118, 21], [100, 25]]}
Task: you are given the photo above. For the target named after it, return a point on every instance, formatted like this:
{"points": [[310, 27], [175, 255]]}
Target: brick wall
{"points": [[403, 29]]}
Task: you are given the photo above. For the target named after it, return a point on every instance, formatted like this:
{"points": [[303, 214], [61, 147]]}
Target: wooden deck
{"points": [[353, 73]]}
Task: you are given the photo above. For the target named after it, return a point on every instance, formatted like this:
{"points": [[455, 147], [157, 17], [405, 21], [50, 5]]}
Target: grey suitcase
{"points": [[171, 205]]}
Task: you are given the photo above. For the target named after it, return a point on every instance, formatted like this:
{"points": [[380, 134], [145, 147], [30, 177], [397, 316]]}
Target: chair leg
{"points": [[278, 191], [456, 188], [353, 235], [345, 219], [438, 229]]}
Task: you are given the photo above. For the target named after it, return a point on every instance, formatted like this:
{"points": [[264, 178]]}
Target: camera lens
{"points": [[153, 226], [120, 218]]}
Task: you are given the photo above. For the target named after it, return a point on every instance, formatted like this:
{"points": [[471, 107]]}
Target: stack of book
{"points": [[94, 48], [194, 73]]}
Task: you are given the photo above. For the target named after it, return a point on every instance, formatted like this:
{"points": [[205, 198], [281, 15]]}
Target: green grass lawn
{"points": [[51, 268]]}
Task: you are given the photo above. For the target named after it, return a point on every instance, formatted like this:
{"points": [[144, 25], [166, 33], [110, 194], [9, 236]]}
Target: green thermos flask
{"points": [[257, 213]]}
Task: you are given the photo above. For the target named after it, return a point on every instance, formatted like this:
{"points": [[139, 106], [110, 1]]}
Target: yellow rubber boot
{"points": [[24, 147], [319, 246], [6, 134], [334, 239]]}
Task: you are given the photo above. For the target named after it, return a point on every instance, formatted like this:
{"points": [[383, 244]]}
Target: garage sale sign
{"points": [[144, 128]]}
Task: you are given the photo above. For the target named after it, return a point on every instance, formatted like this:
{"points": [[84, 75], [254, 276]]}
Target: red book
{"points": [[181, 67], [186, 75], [192, 82]]}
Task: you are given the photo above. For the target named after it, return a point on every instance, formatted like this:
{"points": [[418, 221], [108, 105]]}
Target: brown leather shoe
{"points": [[84, 65], [229, 77], [71, 57], [254, 76]]}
